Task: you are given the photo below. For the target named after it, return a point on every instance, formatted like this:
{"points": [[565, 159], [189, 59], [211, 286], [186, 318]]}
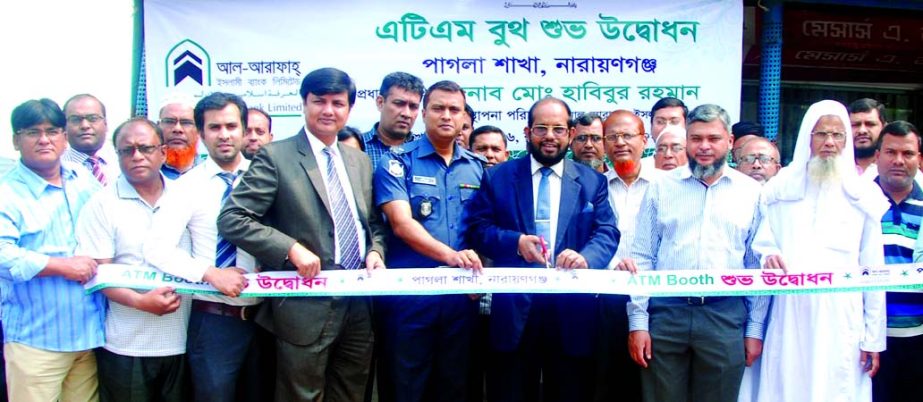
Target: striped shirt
{"points": [[375, 149], [685, 224], [900, 225], [37, 222], [109, 165]]}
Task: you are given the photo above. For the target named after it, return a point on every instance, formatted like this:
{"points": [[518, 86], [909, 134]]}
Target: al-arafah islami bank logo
{"points": [[186, 64]]}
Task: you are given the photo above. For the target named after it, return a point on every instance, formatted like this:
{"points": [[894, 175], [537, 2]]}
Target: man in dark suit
{"points": [[559, 216], [306, 205]]}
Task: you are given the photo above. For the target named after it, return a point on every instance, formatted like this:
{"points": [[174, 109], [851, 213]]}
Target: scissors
{"points": [[545, 253]]}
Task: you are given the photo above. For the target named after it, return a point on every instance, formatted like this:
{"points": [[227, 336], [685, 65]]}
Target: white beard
{"points": [[823, 170]]}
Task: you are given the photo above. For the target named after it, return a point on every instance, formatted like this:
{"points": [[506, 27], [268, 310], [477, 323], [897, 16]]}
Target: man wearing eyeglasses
{"points": [[701, 217], [670, 152], [144, 330], [759, 159], [86, 134], [181, 136], [618, 378], [50, 325], [555, 214], [818, 215], [588, 142]]}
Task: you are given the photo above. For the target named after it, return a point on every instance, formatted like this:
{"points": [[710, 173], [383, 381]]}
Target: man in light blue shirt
{"points": [[704, 217], [51, 326]]}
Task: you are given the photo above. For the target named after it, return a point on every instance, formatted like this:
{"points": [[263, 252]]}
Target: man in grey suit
{"points": [[305, 204]]}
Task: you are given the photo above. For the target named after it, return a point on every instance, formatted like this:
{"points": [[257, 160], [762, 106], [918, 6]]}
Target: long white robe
{"points": [[811, 351]]}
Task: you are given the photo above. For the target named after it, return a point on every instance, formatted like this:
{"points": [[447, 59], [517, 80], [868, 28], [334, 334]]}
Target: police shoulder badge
{"points": [[395, 168]]}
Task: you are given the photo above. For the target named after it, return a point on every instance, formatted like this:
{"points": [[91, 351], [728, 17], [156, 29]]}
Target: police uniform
{"points": [[426, 338]]}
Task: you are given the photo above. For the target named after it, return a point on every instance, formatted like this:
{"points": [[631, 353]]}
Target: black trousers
{"points": [[538, 370], [618, 378], [901, 371], [141, 379]]}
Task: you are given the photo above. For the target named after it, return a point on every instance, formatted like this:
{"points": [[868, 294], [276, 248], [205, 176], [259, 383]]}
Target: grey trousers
{"points": [[698, 350]]}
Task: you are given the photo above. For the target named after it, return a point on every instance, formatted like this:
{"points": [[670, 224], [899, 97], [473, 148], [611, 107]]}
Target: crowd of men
{"points": [[593, 192]]}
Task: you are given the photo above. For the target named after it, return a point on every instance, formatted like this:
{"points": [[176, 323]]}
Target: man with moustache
{"points": [[759, 159], [489, 142], [898, 161], [180, 135], [543, 345], [423, 190], [399, 103], [624, 138], [867, 117], [144, 330], [50, 324], [588, 142], [670, 152], [86, 135], [695, 348], [818, 215], [220, 331], [259, 132]]}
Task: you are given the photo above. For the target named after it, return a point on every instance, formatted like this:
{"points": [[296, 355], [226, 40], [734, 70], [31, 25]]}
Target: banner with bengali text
{"points": [[598, 56], [429, 281]]}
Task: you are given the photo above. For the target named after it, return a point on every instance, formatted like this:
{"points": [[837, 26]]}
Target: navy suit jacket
{"points": [[503, 210]]}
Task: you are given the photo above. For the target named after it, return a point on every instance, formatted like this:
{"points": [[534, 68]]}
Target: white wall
{"points": [[58, 48]]}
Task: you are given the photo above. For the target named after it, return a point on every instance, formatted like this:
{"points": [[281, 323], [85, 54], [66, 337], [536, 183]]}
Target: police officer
{"points": [[423, 189]]}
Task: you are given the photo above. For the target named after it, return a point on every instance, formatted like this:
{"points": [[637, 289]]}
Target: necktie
{"points": [[226, 253], [343, 222], [97, 169], [543, 208]]}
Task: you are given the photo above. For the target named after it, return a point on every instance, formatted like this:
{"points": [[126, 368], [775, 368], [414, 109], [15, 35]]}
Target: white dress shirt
{"points": [[626, 202], [193, 205], [318, 148]]}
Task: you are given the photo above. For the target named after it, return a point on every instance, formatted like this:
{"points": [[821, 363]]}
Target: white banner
{"points": [[599, 56], [429, 281]]}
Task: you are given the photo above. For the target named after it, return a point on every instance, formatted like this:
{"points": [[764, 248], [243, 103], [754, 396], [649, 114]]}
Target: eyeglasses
{"points": [[582, 138], [143, 149], [764, 159], [624, 136], [822, 135], [675, 148], [77, 119], [542, 130], [36, 133], [170, 122]]}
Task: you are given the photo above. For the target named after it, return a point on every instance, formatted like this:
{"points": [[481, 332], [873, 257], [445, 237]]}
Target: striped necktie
{"points": [[226, 254], [96, 167], [343, 220]]}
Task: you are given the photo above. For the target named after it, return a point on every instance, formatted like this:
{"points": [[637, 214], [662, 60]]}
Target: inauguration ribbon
{"points": [[432, 281]]}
